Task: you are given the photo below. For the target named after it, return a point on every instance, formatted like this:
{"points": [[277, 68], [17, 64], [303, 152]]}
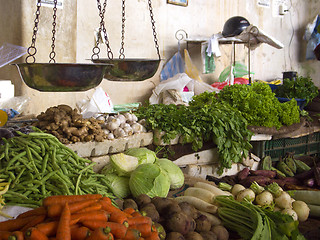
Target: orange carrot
{"points": [[62, 199], [54, 210], [80, 233], [136, 214], [33, 222], [139, 220], [93, 207], [106, 200], [93, 225], [34, 234], [153, 236], [144, 228], [63, 230], [33, 212], [14, 224], [101, 234], [118, 217], [118, 230], [109, 207], [16, 235], [129, 210], [4, 235], [132, 234], [92, 216], [50, 228]]}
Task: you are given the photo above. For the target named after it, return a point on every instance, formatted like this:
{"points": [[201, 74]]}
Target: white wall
{"points": [[78, 20]]}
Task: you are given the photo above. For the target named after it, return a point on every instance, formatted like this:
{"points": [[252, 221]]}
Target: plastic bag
{"points": [[99, 103], [14, 106], [312, 36], [177, 82], [174, 66], [190, 68], [221, 85], [207, 60]]}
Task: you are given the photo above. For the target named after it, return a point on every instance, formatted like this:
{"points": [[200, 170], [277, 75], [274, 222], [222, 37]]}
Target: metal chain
{"points": [[121, 51], [154, 29], [53, 53], [96, 49], [32, 49]]}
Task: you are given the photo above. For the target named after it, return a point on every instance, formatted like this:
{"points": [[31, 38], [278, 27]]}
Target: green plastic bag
{"points": [[239, 70]]}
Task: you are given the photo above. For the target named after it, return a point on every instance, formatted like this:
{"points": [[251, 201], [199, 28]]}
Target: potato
{"points": [[175, 236], [208, 235], [161, 203], [189, 209], [142, 199], [178, 222], [130, 203], [202, 224], [221, 232], [150, 211], [193, 236]]}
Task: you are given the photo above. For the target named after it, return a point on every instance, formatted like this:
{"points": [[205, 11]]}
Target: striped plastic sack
{"points": [[174, 66]]}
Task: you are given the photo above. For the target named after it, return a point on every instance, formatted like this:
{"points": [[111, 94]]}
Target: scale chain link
{"points": [[32, 50], [122, 56], [96, 49], [54, 24], [154, 29]]}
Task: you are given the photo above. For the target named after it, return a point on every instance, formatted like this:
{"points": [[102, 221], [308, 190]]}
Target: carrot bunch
{"points": [[79, 217]]}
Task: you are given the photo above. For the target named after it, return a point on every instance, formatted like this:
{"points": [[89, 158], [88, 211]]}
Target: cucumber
{"points": [[308, 196]]}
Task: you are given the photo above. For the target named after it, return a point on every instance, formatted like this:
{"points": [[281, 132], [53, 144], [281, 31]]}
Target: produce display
{"points": [[38, 165], [79, 217], [259, 105], [201, 122], [178, 220], [139, 171], [301, 88], [69, 126]]}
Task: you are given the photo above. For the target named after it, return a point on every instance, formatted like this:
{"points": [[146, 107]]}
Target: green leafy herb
{"points": [[302, 88], [206, 119], [259, 106]]}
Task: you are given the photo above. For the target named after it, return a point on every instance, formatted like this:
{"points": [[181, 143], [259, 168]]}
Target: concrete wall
{"points": [[77, 21]]}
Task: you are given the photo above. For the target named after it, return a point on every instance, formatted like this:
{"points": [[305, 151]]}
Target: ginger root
{"points": [[68, 125]]}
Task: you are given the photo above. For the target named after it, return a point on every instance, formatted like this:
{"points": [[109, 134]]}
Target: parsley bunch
{"points": [[302, 88], [259, 106]]}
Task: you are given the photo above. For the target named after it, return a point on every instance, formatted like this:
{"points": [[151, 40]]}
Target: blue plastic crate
{"points": [[300, 102]]}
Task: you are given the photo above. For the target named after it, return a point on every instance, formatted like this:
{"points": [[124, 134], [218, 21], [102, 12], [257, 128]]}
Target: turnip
{"points": [[236, 189], [284, 200], [290, 212], [264, 199], [246, 194], [302, 210]]}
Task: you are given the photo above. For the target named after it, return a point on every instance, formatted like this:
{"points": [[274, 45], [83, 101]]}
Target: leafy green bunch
{"points": [[302, 88], [203, 122], [259, 106]]}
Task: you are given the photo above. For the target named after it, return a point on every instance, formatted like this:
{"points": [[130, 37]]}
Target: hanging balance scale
{"points": [[125, 69], [58, 77]]}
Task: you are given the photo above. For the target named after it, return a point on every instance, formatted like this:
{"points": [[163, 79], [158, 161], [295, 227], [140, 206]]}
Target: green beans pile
{"points": [[38, 165]]}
